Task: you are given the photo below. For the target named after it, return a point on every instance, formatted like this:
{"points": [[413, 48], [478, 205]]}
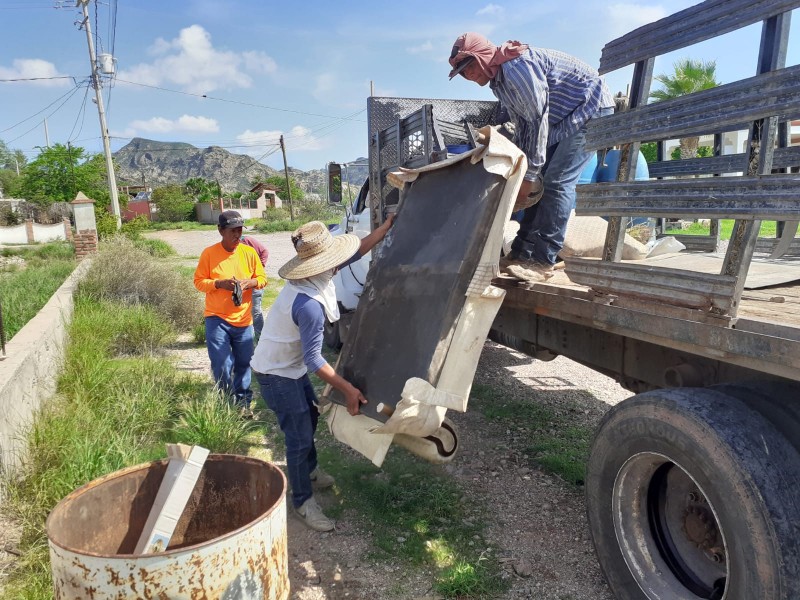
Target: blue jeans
{"points": [[294, 403], [542, 228], [258, 316], [230, 349]]}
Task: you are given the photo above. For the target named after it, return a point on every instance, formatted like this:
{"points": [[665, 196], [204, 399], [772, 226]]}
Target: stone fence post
{"points": [[85, 226], [67, 229], [29, 230]]}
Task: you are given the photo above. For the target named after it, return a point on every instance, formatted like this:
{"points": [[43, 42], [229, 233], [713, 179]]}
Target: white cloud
{"points": [[26, 68], [421, 48], [184, 124], [627, 17], [491, 10], [297, 139], [192, 63]]}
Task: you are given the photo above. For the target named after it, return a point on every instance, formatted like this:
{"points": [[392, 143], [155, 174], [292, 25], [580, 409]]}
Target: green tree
{"points": [[690, 76], [60, 172], [173, 203], [650, 151], [203, 190], [279, 183]]}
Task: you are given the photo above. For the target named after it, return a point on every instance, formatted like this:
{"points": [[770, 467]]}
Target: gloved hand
{"points": [[535, 191], [237, 293]]}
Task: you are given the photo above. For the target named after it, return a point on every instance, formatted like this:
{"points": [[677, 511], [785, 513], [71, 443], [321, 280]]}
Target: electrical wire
{"points": [[207, 97], [72, 91], [49, 115], [81, 116], [36, 78]]}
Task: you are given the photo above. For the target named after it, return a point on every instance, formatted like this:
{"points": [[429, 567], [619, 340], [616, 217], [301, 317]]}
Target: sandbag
{"points": [[586, 236]]}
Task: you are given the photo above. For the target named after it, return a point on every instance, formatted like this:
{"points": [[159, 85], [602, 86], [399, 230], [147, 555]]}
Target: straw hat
{"points": [[318, 251]]}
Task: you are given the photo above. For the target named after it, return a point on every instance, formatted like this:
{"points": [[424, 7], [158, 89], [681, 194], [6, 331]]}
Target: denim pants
{"points": [[542, 228], [258, 316], [230, 349], [295, 404]]}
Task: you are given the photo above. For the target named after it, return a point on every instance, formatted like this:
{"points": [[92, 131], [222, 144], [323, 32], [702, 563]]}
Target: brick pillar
{"points": [[29, 230], [67, 230], [85, 243]]}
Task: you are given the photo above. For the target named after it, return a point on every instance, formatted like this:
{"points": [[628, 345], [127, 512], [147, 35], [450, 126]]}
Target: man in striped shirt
{"points": [[549, 97]]}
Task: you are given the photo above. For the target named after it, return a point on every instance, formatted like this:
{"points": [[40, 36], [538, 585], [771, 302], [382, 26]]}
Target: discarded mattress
{"points": [[428, 303]]}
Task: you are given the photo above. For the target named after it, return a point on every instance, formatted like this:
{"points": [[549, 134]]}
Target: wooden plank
{"points": [[774, 197], [183, 471], [687, 27], [675, 287], [728, 107], [728, 163]]}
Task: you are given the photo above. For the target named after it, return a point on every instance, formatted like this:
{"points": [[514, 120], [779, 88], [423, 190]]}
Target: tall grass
{"points": [[25, 290], [124, 273]]}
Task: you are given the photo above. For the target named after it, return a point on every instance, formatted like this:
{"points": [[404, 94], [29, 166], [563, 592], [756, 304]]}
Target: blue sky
{"points": [[301, 69]]}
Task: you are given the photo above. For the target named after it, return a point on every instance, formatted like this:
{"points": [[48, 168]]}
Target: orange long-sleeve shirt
{"points": [[217, 263]]}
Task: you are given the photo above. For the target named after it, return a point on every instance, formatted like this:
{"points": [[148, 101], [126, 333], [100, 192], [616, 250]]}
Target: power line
{"points": [[81, 111], [37, 78], [207, 97], [72, 93]]}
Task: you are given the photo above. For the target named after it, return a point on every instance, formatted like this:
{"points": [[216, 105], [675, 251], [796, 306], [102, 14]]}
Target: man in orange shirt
{"points": [[229, 331]]}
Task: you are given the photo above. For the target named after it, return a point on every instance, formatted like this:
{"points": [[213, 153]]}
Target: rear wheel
{"points": [[691, 494]]}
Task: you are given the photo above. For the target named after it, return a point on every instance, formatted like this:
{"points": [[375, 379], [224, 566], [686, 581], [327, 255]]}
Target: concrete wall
{"points": [[30, 232], [208, 213], [29, 371]]}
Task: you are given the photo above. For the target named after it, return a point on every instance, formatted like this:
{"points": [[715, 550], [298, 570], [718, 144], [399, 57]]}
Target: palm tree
{"points": [[690, 76]]}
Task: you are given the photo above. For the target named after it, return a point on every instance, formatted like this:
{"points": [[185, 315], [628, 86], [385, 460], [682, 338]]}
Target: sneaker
{"points": [[311, 514], [245, 413], [321, 480]]}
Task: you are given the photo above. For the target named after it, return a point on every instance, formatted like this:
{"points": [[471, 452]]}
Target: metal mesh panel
{"points": [[384, 112]]}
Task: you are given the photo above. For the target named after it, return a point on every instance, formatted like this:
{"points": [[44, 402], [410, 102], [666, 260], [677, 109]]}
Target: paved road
{"points": [[190, 244]]}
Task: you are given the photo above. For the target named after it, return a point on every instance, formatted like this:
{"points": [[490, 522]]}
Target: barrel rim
{"points": [[184, 549]]}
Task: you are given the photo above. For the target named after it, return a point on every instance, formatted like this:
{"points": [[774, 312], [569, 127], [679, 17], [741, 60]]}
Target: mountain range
{"points": [[153, 164]]}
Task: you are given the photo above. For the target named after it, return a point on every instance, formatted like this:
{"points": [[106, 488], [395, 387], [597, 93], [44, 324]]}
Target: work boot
{"points": [[321, 480], [526, 270], [311, 514]]}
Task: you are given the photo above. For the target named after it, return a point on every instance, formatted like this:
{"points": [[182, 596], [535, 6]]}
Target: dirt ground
{"points": [[537, 523]]}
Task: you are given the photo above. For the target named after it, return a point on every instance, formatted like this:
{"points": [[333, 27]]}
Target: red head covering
{"points": [[489, 57]]}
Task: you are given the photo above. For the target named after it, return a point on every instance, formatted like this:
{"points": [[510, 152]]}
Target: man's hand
{"points": [[354, 399], [387, 224], [530, 192], [225, 284], [229, 284]]}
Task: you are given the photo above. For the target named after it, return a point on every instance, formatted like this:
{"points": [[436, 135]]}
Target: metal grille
{"points": [[385, 112]]}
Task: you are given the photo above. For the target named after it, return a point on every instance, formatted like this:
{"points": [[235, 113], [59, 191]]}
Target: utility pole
{"points": [[112, 179], [46, 134], [288, 185]]}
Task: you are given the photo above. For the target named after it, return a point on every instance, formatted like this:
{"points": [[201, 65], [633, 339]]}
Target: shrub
{"points": [[122, 272]]}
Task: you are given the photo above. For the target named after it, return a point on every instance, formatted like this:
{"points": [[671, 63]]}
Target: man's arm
{"points": [[310, 318], [202, 274], [376, 235]]}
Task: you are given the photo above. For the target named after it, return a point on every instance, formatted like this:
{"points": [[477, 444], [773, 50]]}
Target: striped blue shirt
{"points": [[549, 95]]}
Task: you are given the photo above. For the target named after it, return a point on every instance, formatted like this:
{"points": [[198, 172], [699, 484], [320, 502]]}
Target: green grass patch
{"points": [[558, 443], [24, 290], [768, 229], [180, 225], [157, 248]]}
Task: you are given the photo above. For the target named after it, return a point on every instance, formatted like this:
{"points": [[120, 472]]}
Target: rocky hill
{"points": [[154, 163]]}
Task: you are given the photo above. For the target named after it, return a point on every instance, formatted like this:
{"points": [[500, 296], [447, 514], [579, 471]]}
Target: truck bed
{"points": [[764, 337]]}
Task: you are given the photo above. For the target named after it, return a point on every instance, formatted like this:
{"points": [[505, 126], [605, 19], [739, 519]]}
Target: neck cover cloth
{"points": [[488, 56]]}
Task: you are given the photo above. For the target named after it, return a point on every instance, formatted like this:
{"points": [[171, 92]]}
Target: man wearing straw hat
{"points": [[291, 346]]}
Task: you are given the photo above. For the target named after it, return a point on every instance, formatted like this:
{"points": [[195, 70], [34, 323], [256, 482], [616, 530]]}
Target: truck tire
{"points": [[691, 494], [331, 336], [777, 401]]}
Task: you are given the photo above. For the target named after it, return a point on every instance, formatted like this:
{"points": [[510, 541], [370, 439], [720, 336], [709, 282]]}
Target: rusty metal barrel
{"points": [[229, 544]]}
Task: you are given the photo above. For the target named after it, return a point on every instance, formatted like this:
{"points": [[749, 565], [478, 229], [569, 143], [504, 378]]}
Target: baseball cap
{"points": [[230, 219]]}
